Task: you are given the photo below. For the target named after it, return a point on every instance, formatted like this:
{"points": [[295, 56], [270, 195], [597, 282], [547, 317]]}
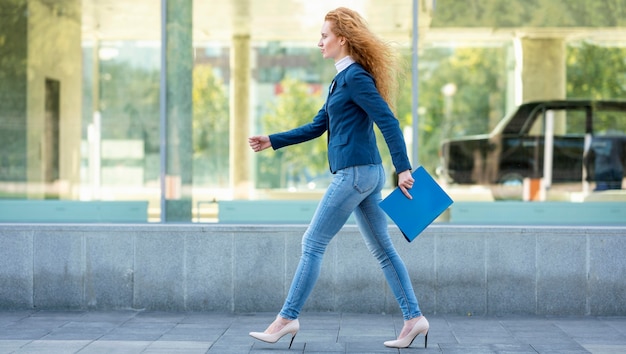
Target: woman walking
{"points": [[359, 97]]}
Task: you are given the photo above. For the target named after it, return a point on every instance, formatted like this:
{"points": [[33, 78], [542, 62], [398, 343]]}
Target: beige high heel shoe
{"points": [[292, 327], [420, 326]]}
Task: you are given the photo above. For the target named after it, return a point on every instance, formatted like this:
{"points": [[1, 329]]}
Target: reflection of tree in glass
{"points": [[477, 73], [596, 72], [210, 124], [525, 13], [295, 105]]}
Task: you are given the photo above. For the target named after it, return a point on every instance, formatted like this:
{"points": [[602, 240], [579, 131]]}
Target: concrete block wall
{"points": [[456, 269]]}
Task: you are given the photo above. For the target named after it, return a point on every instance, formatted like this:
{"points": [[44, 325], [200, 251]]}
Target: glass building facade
{"points": [[152, 101]]}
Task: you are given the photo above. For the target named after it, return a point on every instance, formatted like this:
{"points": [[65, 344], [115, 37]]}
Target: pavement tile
{"points": [[117, 347], [317, 336], [10, 317], [131, 331], [59, 315], [325, 347], [53, 346], [159, 316], [230, 348], [38, 322], [164, 346], [113, 317], [183, 337], [23, 333], [605, 349], [9, 346], [280, 346], [617, 322], [75, 336], [366, 347], [564, 348], [450, 348], [90, 325]]}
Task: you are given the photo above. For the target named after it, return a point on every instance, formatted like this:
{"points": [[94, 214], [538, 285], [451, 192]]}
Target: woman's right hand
{"points": [[259, 142]]}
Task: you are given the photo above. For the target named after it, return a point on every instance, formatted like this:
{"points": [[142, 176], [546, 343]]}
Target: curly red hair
{"points": [[376, 56]]}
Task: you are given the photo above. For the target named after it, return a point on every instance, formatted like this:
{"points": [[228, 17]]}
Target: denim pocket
{"points": [[366, 178]]}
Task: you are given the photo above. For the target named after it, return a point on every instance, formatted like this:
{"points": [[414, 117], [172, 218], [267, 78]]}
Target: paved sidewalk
{"points": [[205, 332]]}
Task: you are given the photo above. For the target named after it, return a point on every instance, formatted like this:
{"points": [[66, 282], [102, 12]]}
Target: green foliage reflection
{"points": [[295, 105]]}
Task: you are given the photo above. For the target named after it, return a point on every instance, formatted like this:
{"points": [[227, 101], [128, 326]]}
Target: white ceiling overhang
{"points": [[301, 20]]}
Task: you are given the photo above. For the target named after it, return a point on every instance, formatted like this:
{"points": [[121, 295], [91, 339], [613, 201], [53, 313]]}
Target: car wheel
{"points": [[510, 186]]}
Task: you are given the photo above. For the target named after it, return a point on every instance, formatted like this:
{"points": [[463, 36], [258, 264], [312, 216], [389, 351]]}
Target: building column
{"points": [[240, 161], [179, 150], [543, 77], [542, 71], [53, 99]]}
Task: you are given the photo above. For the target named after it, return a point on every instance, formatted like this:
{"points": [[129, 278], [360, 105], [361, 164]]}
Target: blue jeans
{"points": [[354, 189]]}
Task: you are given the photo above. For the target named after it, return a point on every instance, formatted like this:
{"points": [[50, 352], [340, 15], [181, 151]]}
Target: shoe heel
{"points": [[292, 338], [426, 341]]}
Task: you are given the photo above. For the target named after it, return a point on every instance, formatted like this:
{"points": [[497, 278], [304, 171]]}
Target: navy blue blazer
{"points": [[351, 109]]}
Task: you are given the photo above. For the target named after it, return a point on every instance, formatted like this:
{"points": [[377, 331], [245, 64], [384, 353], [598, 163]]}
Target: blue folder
{"points": [[412, 216]]}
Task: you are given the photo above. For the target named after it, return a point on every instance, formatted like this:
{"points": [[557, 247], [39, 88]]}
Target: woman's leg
{"points": [[372, 223], [347, 190]]}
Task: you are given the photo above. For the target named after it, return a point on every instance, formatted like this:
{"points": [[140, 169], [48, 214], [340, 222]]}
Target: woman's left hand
{"points": [[405, 182], [259, 142]]}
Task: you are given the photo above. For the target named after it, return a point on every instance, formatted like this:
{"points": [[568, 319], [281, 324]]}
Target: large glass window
{"points": [[126, 102]]}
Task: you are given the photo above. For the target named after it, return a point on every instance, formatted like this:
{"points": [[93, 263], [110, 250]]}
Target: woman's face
{"points": [[332, 47]]}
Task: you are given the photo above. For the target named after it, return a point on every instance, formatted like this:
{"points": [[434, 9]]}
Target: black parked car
{"points": [[589, 144]]}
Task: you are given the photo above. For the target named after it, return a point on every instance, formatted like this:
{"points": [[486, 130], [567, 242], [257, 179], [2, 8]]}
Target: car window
{"points": [[566, 122], [609, 122], [574, 122]]}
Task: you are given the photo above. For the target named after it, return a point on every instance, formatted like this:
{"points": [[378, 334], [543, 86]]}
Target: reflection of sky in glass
{"points": [[314, 11]]}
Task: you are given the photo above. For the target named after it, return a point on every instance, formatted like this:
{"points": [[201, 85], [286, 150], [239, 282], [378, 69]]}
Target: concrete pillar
{"points": [[542, 68], [179, 70], [240, 168], [543, 77], [53, 99]]}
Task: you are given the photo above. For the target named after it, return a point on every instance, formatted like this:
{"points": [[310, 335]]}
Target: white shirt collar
{"points": [[343, 63]]}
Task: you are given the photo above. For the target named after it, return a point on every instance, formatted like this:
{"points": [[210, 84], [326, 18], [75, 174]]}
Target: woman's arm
{"points": [[303, 133], [366, 96]]}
